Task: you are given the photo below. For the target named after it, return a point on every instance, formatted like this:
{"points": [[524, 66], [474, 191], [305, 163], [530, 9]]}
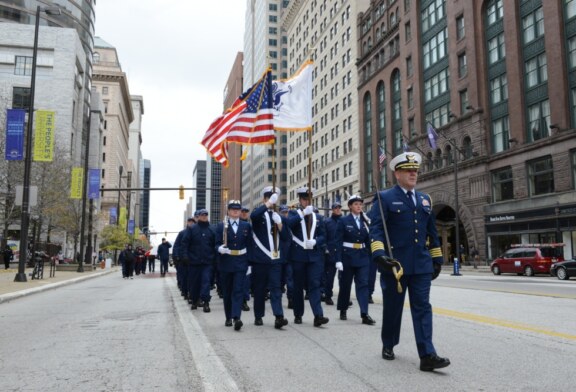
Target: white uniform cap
{"points": [[269, 190], [407, 160]]}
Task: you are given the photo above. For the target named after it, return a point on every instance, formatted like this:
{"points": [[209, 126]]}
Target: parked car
{"points": [[563, 270], [528, 259]]}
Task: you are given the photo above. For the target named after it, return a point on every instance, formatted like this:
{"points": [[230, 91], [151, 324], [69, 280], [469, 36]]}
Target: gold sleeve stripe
{"points": [[436, 252], [377, 245]]}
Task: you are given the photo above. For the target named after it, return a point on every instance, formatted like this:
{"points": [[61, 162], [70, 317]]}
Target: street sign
{"points": [[33, 200]]}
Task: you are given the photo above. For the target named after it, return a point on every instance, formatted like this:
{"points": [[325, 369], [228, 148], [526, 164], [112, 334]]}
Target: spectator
{"points": [[164, 256], [8, 256], [474, 256]]}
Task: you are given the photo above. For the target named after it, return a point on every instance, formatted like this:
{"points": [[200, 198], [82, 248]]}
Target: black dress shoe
{"points": [[238, 324], [329, 301], [258, 321], [280, 322], [194, 307], [320, 320], [343, 315], [290, 304], [430, 362], [245, 307], [206, 307], [228, 322], [388, 354], [350, 303], [366, 319], [370, 300], [297, 320]]}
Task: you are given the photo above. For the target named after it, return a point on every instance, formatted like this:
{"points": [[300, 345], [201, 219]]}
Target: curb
{"points": [[23, 293]]}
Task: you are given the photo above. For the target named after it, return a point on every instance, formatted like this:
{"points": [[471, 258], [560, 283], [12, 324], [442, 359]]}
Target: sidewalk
{"points": [[10, 290]]}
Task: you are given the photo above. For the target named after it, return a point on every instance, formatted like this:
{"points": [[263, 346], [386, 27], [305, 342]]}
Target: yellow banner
{"points": [[44, 136], [77, 182], [122, 219]]}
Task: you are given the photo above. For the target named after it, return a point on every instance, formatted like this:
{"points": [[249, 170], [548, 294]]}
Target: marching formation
{"points": [[298, 253]]}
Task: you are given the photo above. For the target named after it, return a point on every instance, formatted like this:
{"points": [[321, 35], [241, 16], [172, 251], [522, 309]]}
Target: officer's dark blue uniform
{"points": [[331, 246], [307, 258], [181, 269], [244, 216], [271, 237], [198, 248], [233, 262], [414, 243], [353, 251]]}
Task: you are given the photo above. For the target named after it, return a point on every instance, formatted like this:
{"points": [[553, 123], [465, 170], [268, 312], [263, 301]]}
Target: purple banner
{"points": [[15, 134], [93, 183], [113, 216], [131, 227]]}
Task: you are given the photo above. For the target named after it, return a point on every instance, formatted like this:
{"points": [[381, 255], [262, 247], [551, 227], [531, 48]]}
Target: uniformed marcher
{"points": [[245, 216], [198, 250], [331, 247], [352, 255], [233, 242], [287, 276], [181, 268], [270, 247], [414, 244], [307, 257]]}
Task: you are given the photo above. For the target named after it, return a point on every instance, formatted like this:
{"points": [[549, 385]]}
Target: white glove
{"points": [[273, 198], [276, 218], [223, 250], [310, 244], [308, 210], [248, 271], [339, 266]]}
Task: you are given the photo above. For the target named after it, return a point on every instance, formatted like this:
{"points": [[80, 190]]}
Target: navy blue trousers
{"points": [[233, 292], [267, 276], [309, 276], [199, 281]]}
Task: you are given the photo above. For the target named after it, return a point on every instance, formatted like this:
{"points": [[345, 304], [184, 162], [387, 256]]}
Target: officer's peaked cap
{"points": [[269, 190], [354, 198], [234, 205], [304, 193], [407, 160]]}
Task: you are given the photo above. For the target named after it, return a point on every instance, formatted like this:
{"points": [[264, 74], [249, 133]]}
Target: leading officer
{"points": [[410, 225]]}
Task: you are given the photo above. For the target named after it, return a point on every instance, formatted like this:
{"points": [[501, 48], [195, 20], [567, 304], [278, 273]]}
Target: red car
{"points": [[528, 259]]}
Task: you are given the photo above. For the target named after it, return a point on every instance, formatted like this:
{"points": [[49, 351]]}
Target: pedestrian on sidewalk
{"points": [[474, 256], [8, 256]]}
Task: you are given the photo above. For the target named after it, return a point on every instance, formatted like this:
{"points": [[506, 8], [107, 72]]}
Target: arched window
{"points": [[438, 159], [429, 161], [449, 155], [96, 57], [467, 147]]}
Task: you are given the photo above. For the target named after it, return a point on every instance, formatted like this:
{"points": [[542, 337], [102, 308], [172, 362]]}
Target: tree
{"points": [[113, 237]]}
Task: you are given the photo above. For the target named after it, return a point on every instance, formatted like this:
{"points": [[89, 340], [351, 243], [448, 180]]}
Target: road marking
{"points": [[538, 294], [215, 376], [502, 323]]}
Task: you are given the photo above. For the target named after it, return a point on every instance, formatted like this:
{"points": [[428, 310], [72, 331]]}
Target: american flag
{"points": [[249, 121], [381, 158]]}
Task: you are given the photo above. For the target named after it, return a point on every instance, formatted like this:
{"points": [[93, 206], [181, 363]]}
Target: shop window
{"points": [[540, 176], [502, 185]]}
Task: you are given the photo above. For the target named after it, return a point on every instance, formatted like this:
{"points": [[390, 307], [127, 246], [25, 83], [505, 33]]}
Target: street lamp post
{"points": [[84, 256], [25, 214]]}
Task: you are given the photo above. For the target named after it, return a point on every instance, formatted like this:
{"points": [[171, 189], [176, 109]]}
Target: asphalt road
{"points": [[110, 334]]}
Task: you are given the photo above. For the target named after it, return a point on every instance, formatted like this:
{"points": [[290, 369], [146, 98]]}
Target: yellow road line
{"points": [[502, 323], [535, 293]]}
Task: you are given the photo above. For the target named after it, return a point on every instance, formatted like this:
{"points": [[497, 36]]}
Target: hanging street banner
{"points": [[77, 182], [15, 134], [113, 215], [131, 226], [122, 219], [93, 183], [44, 136]]}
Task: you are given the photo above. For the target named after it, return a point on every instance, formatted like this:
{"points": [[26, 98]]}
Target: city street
{"points": [[502, 333]]}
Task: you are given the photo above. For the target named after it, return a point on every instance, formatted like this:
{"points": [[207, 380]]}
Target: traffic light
{"points": [[181, 192]]}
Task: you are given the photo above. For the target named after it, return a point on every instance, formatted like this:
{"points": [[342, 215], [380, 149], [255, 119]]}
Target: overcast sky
{"points": [[177, 55]]}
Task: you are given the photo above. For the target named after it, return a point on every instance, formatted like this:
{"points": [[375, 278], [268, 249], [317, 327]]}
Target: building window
{"points": [[462, 65], [538, 120], [502, 184], [533, 25], [540, 176], [410, 66], [410, 95], [435, 49], [460, 31], [23, 65], [572, 51], [408, 31], [104, 90], [381, 109], [103, 157], [436, 85], [500, 134], [432, 14], [494, 11], [104, 141], [20, 98], [463, 100], [570, 8], [367, 118], [103, 174], [536, 70], [499, 89], [407, 4], [496, 49]]}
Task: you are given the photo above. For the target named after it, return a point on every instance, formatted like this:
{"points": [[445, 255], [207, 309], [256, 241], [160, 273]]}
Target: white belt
{"points": [[272, 255], [300, 242], [237, 252], [353, 245]]}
